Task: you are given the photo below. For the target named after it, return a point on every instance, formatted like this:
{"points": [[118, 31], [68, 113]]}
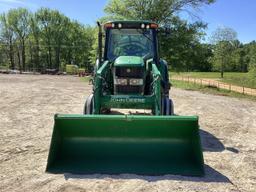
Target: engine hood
{"points": [[129, 61]]}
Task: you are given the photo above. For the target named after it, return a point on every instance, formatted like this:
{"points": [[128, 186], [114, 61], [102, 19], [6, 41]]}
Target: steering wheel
{"points": [[135, 48]]}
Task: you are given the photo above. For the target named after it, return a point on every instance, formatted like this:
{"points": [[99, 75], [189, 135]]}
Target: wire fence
{"points": [[217, 84]]}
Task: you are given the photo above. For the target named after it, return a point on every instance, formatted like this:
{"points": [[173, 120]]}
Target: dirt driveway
{"points": [[27, 106]]}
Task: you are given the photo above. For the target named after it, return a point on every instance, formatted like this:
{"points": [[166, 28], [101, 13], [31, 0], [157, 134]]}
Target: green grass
{"points": [[86, 79], [4, 67], [210, 75], [244, 81], [209, 89], [240, 79]]}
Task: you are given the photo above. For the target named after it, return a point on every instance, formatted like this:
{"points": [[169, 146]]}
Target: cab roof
{"points": [[130, 24]]}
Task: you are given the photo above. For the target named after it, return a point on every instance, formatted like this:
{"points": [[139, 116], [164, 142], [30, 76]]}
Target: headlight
{"points": [[120, 82], [136, 82]]}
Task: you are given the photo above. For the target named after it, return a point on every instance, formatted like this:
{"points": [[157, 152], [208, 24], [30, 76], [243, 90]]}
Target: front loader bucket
{"points": [[145, 145]]}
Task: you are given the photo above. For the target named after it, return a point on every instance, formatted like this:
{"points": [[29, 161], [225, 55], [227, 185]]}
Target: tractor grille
{"points": [[130, 72], [129, 89]]}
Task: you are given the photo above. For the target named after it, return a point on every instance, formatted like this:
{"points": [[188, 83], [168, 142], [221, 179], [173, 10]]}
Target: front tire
{"points": [[105, 111], [88, 106]]}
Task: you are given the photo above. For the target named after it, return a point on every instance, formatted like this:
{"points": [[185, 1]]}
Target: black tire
{"points": [[167, 106], [88, 106], [105, 111], [171, 107]]}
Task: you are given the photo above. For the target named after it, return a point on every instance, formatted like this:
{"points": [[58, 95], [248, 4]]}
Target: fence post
{"points": [[243, 89], [201, 82], [230, 87]]}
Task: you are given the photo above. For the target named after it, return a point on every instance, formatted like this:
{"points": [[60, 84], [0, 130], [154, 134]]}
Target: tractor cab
{"points": [[129, 45], [130, 39]]}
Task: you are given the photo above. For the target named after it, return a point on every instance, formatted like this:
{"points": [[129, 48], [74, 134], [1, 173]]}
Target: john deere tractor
{"points": [[128, 75]]}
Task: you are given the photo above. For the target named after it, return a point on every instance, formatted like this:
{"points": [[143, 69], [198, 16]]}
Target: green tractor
{"points": [[128, 75], [131, 75]]}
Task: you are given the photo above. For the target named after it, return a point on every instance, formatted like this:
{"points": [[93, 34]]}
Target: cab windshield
{"points": [[130, 42]]}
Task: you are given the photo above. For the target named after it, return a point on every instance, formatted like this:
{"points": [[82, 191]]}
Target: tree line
{"points": [[48, 39]]}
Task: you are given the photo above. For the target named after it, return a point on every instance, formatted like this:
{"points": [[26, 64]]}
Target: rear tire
{"points": [[88, 106], [167, 106]]}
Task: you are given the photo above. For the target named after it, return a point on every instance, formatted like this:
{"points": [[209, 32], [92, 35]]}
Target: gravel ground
{"points": [[27, 106]]}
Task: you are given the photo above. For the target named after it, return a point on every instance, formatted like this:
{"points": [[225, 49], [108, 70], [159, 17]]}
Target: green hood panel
{"points": [[130, 61]]}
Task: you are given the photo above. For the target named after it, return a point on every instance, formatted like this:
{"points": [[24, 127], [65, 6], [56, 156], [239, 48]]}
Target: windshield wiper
{"points": [[142, 32]]}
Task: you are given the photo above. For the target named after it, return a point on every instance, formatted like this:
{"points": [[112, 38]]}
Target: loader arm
{"points": [[97, 88]]}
